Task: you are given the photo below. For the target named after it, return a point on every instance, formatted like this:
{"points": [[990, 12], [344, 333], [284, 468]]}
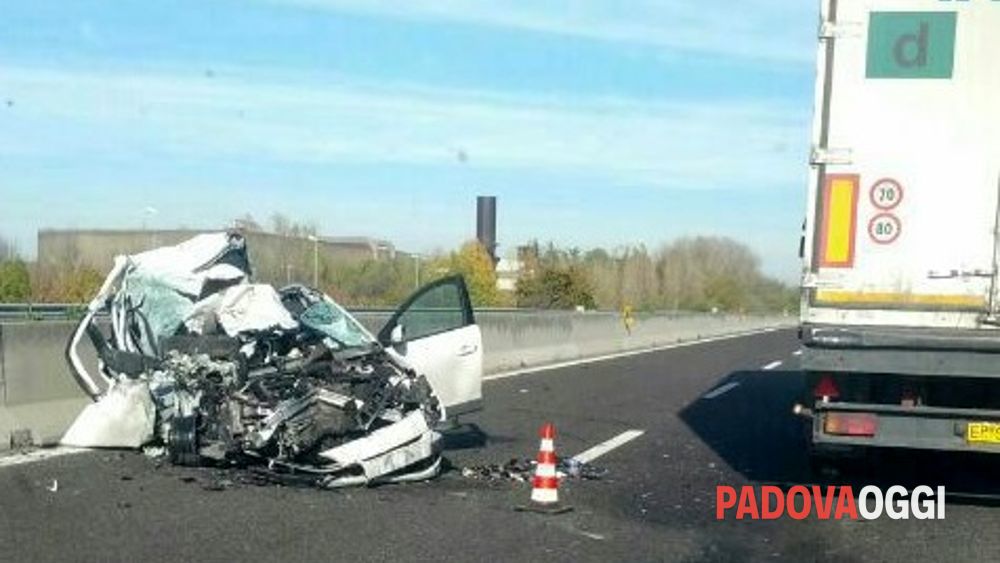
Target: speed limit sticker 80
{"points": [[885, 228]]}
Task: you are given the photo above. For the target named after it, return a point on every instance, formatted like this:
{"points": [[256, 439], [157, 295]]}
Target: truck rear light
{"points": [[826, 388], [850, 424]]}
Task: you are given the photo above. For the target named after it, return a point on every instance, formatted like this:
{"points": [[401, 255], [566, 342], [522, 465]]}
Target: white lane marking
{"points": [[38, 455], [797, 353], [565, 525], [617, 355], [607, 446], [719, 391], [772, 365]]}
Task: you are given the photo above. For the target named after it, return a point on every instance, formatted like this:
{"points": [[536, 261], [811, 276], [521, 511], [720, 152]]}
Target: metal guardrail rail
{"points": [[69, 311], [40, 311]]}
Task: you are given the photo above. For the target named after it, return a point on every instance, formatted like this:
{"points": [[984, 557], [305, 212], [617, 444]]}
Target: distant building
{"points": [[275, 258], [508, 272], [376, 249]]}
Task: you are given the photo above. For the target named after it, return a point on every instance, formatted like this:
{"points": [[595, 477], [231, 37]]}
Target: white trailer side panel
{"points": [[904, 199]]}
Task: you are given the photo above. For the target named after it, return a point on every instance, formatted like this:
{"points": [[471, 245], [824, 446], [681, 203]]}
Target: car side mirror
{"points": [[397, 336]]}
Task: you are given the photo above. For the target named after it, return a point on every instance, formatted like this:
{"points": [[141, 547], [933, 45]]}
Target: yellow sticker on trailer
{"points": [[840, 220], [892, 299]]}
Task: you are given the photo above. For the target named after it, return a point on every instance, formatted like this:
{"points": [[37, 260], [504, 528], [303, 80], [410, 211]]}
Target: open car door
{"points": [[435, 331]]}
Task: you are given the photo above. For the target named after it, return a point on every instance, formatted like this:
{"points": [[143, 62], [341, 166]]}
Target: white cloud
{"points": [[783, 30], [617, 142]]}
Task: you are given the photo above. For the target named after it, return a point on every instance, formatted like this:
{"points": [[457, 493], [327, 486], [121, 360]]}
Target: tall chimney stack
{"points": [[486, 224]]}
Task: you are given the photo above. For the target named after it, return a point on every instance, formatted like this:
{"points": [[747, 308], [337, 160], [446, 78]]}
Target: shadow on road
{"points": [[471, 436], [464, 437], [753, 429]]}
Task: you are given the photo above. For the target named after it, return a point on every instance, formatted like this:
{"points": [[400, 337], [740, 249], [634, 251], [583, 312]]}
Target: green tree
{"points": [[476, 266], [705, 273], [75, 284], [555, 287], [368, 283], [15, 282], [82, 284], [695, 273]]}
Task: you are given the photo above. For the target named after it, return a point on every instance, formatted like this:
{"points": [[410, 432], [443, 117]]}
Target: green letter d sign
{"points": [[911, 44]]}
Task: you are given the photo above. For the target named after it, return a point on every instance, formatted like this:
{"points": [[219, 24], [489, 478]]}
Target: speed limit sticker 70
{"points": [[885, 228], [886, 194]]}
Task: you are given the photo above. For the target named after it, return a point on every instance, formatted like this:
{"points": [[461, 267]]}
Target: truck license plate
{"points": [[983, 433]]}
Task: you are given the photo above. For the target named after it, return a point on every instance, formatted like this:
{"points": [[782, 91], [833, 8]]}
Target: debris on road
{"points": [[206, 368], [522, 470], [219, 485], [513, 470]]}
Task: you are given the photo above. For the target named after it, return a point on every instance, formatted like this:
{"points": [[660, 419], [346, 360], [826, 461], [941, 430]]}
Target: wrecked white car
{"points": [[223, 371]]}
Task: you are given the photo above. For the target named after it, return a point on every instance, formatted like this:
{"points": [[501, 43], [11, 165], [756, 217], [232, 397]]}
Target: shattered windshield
{"points": [[329, 318]]}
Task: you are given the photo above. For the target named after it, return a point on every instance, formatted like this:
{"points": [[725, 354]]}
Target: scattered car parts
{"points": [[523, 469]]}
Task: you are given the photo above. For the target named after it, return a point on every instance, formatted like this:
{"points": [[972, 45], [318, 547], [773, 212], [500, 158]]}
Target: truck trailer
{"points": [[900, 310]]}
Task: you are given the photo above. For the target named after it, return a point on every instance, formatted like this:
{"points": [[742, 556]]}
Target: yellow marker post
{"points": [[628, 318]]}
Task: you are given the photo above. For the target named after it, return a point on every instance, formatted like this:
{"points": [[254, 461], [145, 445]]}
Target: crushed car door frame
{"points": [[440, 339]]}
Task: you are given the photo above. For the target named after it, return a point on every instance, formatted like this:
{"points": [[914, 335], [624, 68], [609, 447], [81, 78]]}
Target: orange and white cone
{"points": [[545, 485]]}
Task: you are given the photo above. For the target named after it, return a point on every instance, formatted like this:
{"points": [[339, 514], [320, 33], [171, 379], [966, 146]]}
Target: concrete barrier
{"points": [[39, 398], [533, 339]]}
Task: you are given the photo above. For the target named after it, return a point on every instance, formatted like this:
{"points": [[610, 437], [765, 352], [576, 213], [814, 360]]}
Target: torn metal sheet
{"points": [[389, 449], [400, 457], [380, 441], [219, 371], [253, 308], [189, 266]]}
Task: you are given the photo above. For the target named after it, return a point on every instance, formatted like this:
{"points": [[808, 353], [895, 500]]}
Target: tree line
{"points": [[691, 274]]}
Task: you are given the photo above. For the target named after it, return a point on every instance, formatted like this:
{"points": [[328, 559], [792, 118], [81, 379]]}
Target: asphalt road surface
{"points": [[710, 413]]}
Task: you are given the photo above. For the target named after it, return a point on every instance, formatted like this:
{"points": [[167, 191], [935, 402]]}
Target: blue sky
{"points": [[594, 123]]}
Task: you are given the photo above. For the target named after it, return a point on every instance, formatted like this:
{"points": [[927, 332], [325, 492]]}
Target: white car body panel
{"points": [[452, 362]]}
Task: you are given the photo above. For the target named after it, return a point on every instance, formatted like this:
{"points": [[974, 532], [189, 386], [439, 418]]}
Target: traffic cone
{"points": [[545, 485]]}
